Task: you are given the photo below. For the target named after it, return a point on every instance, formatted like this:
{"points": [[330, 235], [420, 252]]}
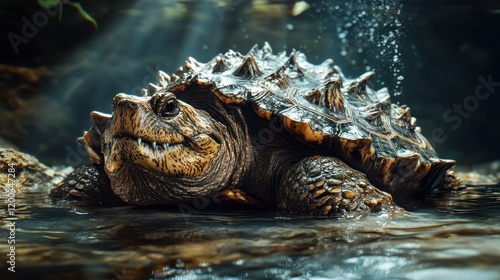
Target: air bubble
{"points": [[376, 34], [289, 26]]}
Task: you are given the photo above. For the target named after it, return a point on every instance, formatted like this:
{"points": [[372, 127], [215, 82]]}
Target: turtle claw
{"points": [[236, 197], [85, 183]]}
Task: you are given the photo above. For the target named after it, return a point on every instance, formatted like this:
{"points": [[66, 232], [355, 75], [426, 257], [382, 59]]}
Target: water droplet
{"points": [[289, 26]]}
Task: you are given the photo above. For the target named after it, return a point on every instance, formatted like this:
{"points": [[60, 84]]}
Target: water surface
{"points": [[457, 236]]}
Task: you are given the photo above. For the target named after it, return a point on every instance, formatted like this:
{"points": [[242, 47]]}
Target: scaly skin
{"points": [[324, 186]]}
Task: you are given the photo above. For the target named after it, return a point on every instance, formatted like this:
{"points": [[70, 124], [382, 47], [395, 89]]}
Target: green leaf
{"points": [[49, 3], [81, 11]]}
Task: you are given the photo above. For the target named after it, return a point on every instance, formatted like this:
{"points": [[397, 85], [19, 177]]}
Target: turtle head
{"points": [[153, 147], [159, 133]]}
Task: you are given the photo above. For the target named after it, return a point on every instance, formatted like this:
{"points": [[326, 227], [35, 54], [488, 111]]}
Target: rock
{"points": [[28, 174]]}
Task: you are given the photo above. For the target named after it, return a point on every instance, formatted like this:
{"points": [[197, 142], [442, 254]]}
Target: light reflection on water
{"points": [[457, 236]]}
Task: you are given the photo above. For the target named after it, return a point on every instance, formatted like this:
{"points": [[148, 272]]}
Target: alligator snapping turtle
{"points": [[261, 129]]}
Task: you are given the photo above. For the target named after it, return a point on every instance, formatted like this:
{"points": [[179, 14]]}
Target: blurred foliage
{"points": [[52, 3]]}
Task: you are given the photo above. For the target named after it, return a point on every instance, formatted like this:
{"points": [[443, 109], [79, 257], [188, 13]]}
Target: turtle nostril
{"points": [[127, 103], [131, 105], [124, 101]]}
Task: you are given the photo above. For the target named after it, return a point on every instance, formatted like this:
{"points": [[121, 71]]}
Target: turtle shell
{"points": [[322, 108]]}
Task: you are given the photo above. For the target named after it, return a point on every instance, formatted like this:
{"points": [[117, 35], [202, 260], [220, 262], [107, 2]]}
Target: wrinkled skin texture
{"points": [[230, 131]]}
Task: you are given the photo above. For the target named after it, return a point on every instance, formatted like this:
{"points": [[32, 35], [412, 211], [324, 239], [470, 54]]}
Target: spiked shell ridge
{"points": [[321, 108]]}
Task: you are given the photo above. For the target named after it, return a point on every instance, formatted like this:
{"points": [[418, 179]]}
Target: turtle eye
{"points": [[167, 105], [170, 108]]}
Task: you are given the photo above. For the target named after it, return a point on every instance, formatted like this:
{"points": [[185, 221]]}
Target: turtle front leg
{"points": [[326, 186], [88, 183]]}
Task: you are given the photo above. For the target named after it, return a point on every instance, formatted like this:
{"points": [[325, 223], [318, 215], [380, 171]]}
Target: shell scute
{"points": [[308, 127], [248, 68], [270, 104]]}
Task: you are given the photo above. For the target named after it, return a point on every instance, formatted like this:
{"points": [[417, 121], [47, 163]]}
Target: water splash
{"points": [[374, 29]]}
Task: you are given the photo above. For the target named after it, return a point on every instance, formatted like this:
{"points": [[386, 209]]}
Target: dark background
{"points": [[438, 49]]}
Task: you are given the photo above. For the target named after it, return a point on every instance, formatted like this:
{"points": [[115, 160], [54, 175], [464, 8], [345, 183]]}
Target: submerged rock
{"points": [[26, 173]]}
